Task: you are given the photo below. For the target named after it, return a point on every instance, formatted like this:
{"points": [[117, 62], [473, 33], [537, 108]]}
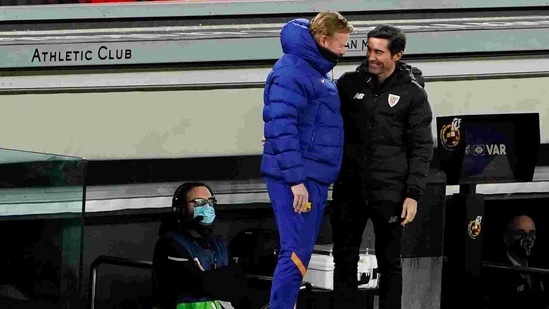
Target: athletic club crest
{"points": [[393, 99]]}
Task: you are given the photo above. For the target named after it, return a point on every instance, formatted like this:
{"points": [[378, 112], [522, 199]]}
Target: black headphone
{"points": [[179, 199]]}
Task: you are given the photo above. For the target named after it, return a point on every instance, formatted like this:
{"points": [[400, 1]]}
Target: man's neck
{"points": [[517, 259], [383, 76]]}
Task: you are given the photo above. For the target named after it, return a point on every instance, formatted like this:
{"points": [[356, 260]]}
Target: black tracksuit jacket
{"points": [[387, 148]]}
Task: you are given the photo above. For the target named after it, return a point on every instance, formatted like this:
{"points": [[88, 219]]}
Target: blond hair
{"points": [[328, 23]]}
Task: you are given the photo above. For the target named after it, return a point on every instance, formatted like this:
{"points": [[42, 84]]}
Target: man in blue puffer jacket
{"points": [[303, 141]]}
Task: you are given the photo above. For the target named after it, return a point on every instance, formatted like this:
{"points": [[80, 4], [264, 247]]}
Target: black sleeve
{"points": [[353, 134], [175, 272], [342, 92], [420, 144], [343, 84]]}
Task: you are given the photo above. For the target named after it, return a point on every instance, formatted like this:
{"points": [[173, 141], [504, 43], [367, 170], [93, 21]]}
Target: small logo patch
{"points": [[358, 96], [450, 136], [393, 99], [474, 227], [393, 219]]}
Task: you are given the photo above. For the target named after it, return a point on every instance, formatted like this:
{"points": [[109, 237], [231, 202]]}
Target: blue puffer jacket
{"points": [[303, 124]]}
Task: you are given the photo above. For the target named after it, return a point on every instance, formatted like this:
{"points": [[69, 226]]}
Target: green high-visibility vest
{"points": [[210, 304]]}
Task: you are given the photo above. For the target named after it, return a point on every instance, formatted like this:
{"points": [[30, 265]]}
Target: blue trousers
{"points": [[298, 235]]}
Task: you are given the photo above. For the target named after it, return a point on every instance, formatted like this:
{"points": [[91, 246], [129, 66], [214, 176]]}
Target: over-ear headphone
{"points": [[179, 199]]}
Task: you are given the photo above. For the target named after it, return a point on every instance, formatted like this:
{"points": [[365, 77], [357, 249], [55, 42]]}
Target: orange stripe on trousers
{"points": [[299, 264]]}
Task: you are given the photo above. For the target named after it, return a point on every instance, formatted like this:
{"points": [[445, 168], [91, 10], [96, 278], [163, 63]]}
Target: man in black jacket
{"points": [[388, 147], [513, 289]]}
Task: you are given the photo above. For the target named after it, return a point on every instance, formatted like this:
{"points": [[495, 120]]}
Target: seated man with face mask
{"points": [[192, 268], [513, 289]]}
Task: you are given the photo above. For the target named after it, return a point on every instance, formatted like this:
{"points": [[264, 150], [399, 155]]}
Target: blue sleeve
{"points": [[285, 96]]}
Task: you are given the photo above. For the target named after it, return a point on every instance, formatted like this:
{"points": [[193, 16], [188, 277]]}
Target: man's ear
{"points": [[322, 40], [397, 56]]}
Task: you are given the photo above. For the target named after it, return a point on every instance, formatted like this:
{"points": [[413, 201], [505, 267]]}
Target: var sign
{"points": [[494, 149], [488, 150]]}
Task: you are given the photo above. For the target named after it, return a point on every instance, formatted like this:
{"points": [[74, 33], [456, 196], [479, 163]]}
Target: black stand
{"points": [[463, 246]]}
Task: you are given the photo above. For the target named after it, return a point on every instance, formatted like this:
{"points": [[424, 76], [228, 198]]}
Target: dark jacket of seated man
{"points": [[192, 268], [506, 289]]}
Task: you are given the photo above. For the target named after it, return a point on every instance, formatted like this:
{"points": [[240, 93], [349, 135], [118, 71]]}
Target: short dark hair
{"points": [[395, 36]]}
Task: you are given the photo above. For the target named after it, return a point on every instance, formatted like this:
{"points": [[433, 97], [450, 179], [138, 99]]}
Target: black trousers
{"points": [[349, 217]]}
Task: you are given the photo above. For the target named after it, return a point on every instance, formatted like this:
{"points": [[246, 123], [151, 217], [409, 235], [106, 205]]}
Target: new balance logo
{"points": [[358, 96], [394, 219]]}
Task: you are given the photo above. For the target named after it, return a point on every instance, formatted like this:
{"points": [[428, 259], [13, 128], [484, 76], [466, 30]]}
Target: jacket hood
{"points": [[407, 72], [296, 39]]}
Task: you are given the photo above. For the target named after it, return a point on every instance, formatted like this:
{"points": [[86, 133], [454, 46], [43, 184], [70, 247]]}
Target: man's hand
{"points": [[301, 197], [409, 210], [263, 139]]}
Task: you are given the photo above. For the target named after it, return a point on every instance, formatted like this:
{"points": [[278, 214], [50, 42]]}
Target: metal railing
{"points": [[520, 269]]}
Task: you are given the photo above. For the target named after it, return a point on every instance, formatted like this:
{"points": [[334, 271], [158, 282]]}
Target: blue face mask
{"points": [[207, 213]]}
